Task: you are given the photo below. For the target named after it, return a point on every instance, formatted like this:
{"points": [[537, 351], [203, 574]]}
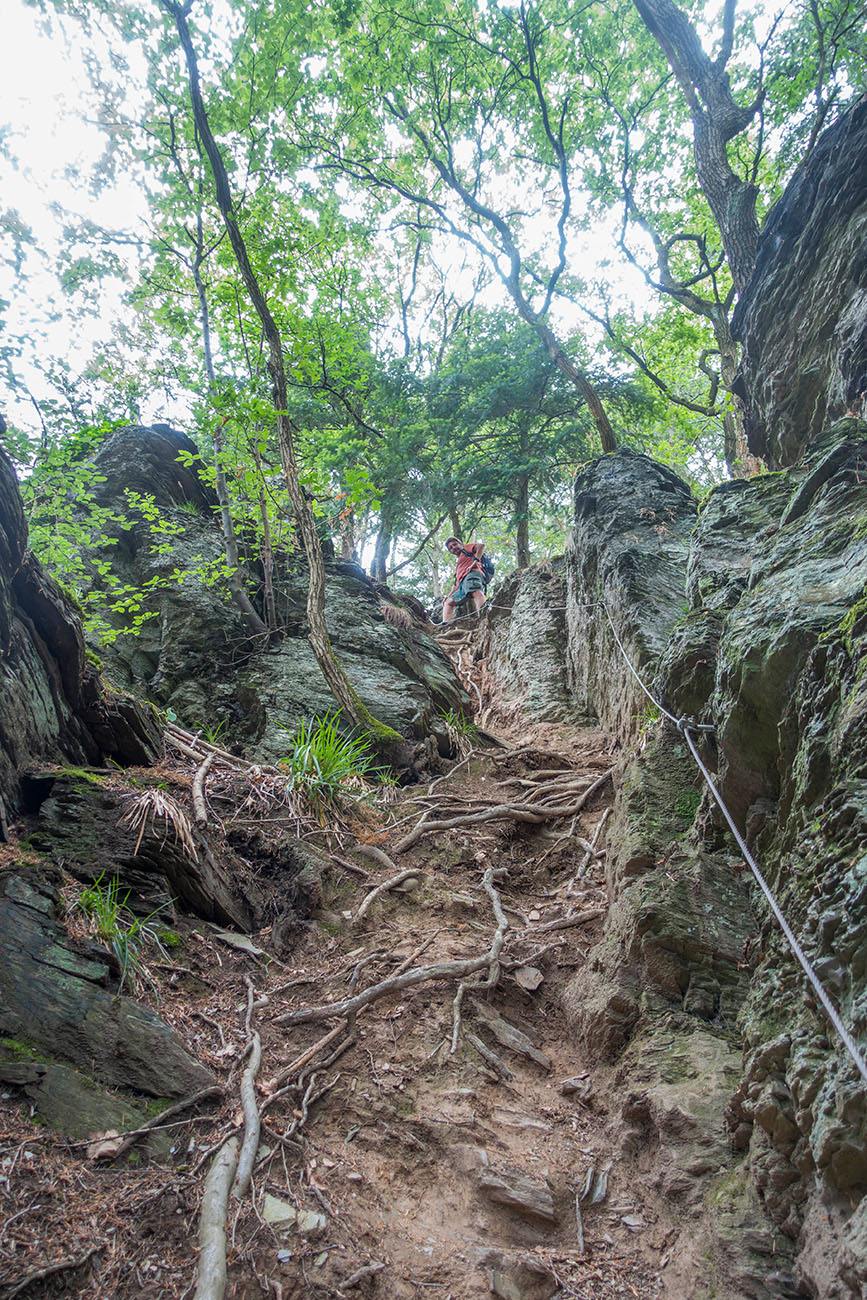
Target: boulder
{"points": [[628, 554], [195, 657]]}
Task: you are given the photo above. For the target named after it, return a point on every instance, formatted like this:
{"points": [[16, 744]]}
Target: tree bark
{"points": [[230, 540], [716, 119], [388, 742], [522, 528]]}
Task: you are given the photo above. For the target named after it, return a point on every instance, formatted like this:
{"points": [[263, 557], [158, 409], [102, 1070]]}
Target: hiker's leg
{"points": [[478, 599], [449, 608]]}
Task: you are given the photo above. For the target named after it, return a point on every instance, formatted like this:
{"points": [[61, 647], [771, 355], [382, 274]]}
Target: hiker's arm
{"points": [[478, 549]]}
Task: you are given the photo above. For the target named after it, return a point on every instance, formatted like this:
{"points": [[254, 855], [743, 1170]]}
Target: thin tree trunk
{"points": [[267, 550], [230, 540], [379, 566], [387, 740], [522, 528]]}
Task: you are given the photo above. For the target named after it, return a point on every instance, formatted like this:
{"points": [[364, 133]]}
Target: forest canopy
{"points": [[420, 260]]}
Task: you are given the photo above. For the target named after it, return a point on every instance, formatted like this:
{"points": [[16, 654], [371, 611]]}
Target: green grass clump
{"points": [[124, 934], [461, 731], [325, 765]]}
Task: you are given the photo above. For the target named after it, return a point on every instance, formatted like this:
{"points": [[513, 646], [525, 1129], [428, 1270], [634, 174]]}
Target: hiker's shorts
{"points": [[472, 582]]}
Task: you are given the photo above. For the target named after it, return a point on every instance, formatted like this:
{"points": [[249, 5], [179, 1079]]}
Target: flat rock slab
{"points": [[511, 1037], [527, 1196], [56, 999]]}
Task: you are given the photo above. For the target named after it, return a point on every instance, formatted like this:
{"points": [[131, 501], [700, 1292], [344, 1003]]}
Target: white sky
{"points": [[51, 147]]}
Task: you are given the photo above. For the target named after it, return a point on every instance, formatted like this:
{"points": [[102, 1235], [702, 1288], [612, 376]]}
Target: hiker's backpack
{"points": [[487, 565]]}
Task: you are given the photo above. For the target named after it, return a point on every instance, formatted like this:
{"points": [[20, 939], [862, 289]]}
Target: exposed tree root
{"points": [[383, 889], [252, 1120], [211, 1269]]}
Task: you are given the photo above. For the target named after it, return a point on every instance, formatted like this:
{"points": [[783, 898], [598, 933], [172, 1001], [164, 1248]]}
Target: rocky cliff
{"points": [[747, 614], [803, 318]]}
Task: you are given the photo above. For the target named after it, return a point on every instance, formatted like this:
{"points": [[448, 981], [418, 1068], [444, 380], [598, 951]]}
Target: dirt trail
{"points": [[416, 1170]]}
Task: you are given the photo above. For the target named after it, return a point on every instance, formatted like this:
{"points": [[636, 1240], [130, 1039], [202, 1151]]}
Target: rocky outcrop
{"points": [[195, 655], [523, 639], [803, 318], [73, 1013], [743, 1106], [627, 555], [53, 704]]}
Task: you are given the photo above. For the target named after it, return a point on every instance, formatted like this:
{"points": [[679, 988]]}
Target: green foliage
{"points": [[123, 933], [325, 765]]}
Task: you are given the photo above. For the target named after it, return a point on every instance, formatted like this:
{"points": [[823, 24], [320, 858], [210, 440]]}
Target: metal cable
{"points": [[784, 925], [684, 726]]}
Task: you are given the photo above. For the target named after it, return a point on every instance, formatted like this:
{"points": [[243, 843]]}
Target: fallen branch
{"points": [[197, 794], [304, 1059], [383, 889], [130, 1138], [211, 1267]]}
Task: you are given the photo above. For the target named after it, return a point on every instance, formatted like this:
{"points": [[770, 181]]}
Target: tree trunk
{"points": [[389, 743], [230, 540], [522, 522], [379, 566], [267, 550], [556, 352], [716, 119]]}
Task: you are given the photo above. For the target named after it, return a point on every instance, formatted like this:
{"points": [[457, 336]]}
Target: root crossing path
{"points": [[403, 1110]]}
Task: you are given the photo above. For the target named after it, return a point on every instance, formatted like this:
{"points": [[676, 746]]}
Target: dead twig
{"points": [[50, 1270], [564, 922], [360, 1274], [351, 866], [304, 1059], [130, 1138]]}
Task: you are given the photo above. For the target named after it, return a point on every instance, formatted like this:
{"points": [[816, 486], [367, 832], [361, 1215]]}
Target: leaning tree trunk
{"points": [[716, 119], [230, 540], [389, 742]]}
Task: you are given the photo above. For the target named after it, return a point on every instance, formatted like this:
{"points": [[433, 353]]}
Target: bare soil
{"points": [[402, 1145]]}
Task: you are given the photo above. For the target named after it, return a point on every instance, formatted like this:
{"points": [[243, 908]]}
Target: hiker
{"points": [[469, 576]]}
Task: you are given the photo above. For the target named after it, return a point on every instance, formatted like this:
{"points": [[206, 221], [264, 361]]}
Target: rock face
{"points": [[743, 1107], [524, 639], [803, 317], [628, 549], [52, 704], [73, 1014], [196, 657]]}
